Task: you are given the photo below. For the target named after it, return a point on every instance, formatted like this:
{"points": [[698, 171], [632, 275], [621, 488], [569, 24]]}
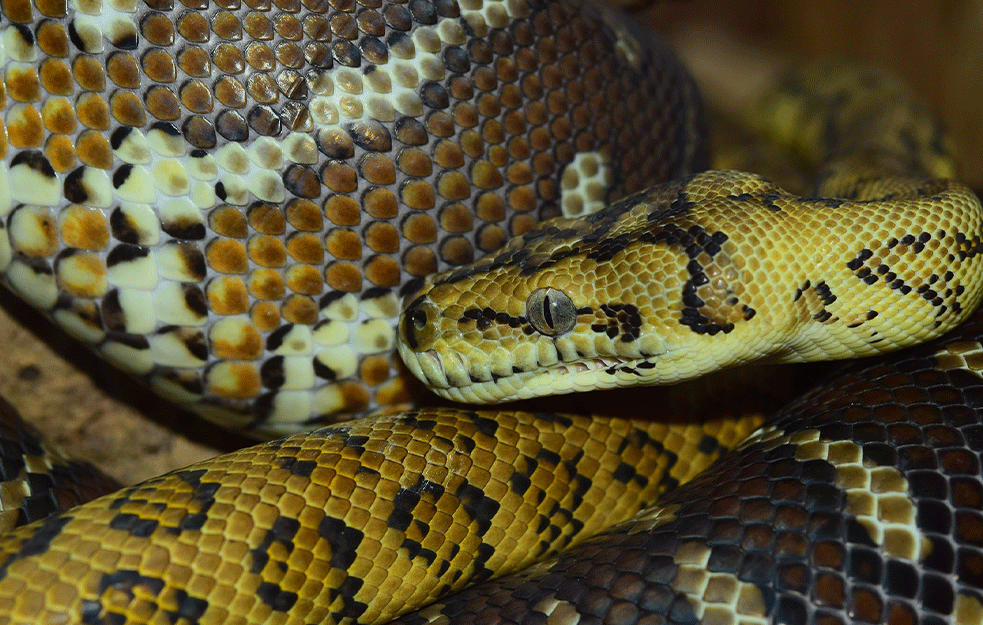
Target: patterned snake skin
{"points": [[860, 502], [723, 267], [223, 198], [227, 201]]}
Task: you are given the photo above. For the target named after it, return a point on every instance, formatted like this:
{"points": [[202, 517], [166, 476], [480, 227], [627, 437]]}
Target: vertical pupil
{"points": [[547, 311]]}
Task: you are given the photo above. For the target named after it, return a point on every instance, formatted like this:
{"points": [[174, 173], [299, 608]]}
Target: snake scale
{"points": [[228, 199]]}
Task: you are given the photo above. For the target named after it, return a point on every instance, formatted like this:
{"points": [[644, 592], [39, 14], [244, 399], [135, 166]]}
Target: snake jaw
{"points": [[448, 377], [427, 366], [581, 376]]}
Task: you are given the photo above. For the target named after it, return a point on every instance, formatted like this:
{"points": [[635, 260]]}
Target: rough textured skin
{"points": [[858, 503], [350, 524], [224, 198], [722, 268], [716, 270]]}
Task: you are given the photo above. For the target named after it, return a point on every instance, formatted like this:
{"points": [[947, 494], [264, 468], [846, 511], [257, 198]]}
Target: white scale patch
{"points": [[584, 184], [392, 89], [389, 90], [876, 496], [626, 44], [716, 598], [482, 14]]}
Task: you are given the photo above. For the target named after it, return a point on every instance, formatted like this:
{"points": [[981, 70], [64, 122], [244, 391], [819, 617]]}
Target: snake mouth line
{"points": [[449, 377]]}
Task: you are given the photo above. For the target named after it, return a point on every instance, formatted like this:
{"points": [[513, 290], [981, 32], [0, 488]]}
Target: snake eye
{"points": [[551, 311], [417, 326], [418, 318]]}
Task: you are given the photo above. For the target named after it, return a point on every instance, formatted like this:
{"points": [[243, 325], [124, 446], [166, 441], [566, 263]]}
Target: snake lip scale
{"points": [[569, 377]]}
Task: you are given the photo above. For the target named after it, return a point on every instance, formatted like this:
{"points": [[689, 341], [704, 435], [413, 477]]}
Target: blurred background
{"points": [[937, 47]]}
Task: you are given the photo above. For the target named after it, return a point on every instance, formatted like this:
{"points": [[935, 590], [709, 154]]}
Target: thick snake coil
{"points": [[226, 199]]}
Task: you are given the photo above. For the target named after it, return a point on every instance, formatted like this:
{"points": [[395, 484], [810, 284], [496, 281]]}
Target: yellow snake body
{"points": [[353, 524], [228, 199]]}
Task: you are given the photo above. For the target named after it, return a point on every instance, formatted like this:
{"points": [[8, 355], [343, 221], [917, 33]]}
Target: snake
{"points": [[229, 200]]}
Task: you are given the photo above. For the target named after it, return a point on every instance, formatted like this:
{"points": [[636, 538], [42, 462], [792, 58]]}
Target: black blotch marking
{"points": [[825, 294], [623, 320], [123, 227], [272, 373], [485, 425], [301, 468], [24, 33], [549, 456], [479, 506], [275, 340], [119, 136], [694, 242], [708, 444], [125, 253], [277, 598], [139, 587], [121, 175], [134, 525], [74, 188], [282, 533], [39, 542], [194, 299], [188, 230], [350, 609], [344, 541], [403, 504], [34, 160]]}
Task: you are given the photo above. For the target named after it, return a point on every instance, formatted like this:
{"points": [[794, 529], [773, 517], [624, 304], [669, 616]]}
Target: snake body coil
{"points": [[224, 198], [227, 198], [351, 524], [860, 502]]}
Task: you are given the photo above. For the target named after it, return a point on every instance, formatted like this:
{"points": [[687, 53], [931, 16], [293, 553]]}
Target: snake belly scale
{"points": [[227, 199]]}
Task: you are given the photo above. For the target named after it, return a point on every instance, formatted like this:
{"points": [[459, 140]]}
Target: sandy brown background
{"points": [[732, 46]]}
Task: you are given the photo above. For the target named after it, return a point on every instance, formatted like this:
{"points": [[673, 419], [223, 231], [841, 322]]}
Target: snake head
{"points": [[577, 305], [687, 278]]}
